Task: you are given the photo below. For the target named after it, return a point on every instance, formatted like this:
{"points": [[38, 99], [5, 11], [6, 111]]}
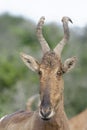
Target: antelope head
{"points": [[50, 70]]}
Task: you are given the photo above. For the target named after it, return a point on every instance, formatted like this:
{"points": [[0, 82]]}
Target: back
{"points": [[20, 119], [79, 122]]}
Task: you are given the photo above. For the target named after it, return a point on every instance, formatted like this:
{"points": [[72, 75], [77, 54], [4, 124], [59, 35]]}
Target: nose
{"points": [[46, 113]]}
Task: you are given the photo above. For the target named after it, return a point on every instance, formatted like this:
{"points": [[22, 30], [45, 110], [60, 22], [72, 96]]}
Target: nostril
{"points": [[45, 113]]}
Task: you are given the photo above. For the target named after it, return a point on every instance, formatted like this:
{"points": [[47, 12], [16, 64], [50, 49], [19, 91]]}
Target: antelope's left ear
{"points": [[30, 61], [69, 64]]}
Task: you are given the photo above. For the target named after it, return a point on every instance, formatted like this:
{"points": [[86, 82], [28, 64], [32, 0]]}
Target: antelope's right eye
{"points": [[40, 72]]}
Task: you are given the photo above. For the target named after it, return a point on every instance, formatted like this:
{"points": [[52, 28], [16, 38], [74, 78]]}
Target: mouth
{"points": [[45, 119]]}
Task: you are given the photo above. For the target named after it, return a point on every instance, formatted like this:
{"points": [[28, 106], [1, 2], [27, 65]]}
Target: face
{"points": [[50, 71], [51, 84]]}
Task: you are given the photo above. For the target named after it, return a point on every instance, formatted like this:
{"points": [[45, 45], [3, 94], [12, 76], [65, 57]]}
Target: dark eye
{"points": [[58, 73], [40, 72]]}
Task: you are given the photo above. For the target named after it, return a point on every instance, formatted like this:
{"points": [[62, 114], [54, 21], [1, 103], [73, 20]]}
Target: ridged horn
{"points": [[58, 49], [43, 42]]}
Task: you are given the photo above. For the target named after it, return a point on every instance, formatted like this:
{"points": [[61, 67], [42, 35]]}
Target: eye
{"points": [[40, 72], [58, 73]]}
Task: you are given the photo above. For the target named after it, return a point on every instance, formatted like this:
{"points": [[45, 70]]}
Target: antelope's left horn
{"points": [[58, 49]]}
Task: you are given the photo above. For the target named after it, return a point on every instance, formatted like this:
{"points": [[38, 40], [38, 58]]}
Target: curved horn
{"points": [[44, 44], [58, 49]]}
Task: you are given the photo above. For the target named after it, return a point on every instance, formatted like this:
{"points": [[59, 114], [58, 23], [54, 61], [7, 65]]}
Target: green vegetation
{"points": [[17, 83]]}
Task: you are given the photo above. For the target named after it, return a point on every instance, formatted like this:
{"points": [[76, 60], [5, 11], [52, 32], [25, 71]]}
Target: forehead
{"points": [[50, 60]]}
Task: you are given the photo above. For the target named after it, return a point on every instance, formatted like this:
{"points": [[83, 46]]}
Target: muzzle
{"points": [[46, 113]]}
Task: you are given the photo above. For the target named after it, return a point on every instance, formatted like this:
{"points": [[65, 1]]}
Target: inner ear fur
{"points": [[30, 62], [69, 64]]}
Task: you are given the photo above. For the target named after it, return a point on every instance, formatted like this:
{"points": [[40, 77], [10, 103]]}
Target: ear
{"points": [[31, 62], [69, 64]]}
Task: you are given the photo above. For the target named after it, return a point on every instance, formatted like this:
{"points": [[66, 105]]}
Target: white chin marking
{"points": [[51, 114], [3, 118], [40, 114]]}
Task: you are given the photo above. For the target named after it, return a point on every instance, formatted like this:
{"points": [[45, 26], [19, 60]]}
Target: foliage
{"points": [[9, 72], [17, 84]]}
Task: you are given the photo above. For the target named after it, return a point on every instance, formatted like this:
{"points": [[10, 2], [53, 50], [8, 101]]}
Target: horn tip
{"points": [[66, 19], [42, 18]]}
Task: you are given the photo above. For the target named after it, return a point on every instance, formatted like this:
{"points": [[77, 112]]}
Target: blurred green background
{"points": [[17, 83]]}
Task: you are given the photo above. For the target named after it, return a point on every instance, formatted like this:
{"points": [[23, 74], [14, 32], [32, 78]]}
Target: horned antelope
{"points": [[50, 114], [79, 122], [31, 101]]}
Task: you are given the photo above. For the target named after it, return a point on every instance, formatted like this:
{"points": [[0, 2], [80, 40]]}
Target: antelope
{"points": [[79, 122], [50, 115], [32, 100]]}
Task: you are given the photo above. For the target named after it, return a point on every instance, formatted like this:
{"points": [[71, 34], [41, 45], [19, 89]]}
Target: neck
{"points": [[60, 117]]}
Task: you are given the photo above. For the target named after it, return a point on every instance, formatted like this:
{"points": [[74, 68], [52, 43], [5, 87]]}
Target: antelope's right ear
{"points": [[31, 62]]}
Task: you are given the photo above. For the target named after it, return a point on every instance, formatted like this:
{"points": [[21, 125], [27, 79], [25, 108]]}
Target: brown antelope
{"points": [[50, 115], [79, 122], [31, 101]]}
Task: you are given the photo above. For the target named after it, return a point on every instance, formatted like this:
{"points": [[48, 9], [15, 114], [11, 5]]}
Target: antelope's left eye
{"points": [[58, 73]]}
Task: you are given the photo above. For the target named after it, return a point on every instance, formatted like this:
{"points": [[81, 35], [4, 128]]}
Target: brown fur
{"points": [[32, 121], [79, 122], [49, 79]]}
